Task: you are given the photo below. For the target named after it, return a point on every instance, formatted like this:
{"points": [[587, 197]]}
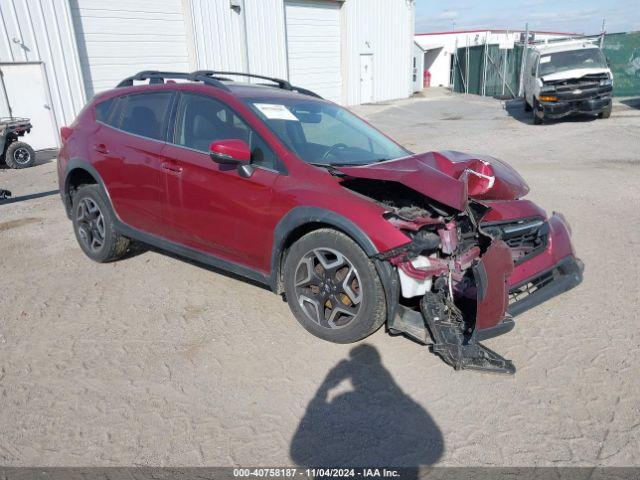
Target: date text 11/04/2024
{"points": [[316, 472]]}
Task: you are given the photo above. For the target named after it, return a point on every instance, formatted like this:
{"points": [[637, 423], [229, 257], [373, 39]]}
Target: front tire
{"points": [[333, 288], [537, 119], [20, 155], [606, 113], [94, 226]]}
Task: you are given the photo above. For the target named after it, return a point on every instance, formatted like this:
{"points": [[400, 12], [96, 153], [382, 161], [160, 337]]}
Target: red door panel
{"points": [[210, 207], [131, 168]]}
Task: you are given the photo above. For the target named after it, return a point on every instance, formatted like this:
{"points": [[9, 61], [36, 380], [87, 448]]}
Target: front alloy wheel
{"points": [[328, 288], [333, 288]]}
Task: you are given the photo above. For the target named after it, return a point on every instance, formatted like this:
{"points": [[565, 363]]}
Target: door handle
{"points": [[101, 148], [172, 167]]}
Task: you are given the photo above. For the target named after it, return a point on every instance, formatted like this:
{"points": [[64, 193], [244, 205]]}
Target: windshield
{"points": [[573, 59], [323, 133]]}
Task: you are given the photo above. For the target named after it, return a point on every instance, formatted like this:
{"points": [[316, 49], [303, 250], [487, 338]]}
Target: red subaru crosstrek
{"points": [[273, 183]]}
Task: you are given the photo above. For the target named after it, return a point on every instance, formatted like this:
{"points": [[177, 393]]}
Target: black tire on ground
{"points": [[93, 225], [20, 155], [367, 315], [606, 113], [537, 120], [527, 107]]}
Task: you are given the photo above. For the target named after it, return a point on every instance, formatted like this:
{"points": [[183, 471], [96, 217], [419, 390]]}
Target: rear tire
{"points": [[333, 288], [20, 155], [606, 113], [94, 226]]}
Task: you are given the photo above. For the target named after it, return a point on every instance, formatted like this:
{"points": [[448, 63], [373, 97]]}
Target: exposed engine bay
{"points": [[453, 275]]}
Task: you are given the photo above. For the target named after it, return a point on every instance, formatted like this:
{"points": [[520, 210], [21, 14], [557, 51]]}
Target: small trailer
{"points": [[14, 153]]}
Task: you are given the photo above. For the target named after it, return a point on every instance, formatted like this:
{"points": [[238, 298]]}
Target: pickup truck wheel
{"points": [[333, 288], [606, 113], [93, 224], [538, 119], [20, 155]]}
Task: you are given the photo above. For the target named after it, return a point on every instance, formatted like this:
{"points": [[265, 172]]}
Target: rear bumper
{"points": [[564, 108]]}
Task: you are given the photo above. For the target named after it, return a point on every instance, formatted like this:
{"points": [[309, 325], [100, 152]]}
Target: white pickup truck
{"points": [[567, 77]]}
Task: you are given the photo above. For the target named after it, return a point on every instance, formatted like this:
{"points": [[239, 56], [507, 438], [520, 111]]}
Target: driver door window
{"points": [[202, 120]]}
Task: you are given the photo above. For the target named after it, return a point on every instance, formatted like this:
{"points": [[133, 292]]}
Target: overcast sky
{"points": [[574, 16]]}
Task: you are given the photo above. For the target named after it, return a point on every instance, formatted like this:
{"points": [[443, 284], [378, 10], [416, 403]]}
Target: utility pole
{"points": [[523, 61], [467, 64], [603, 30]]}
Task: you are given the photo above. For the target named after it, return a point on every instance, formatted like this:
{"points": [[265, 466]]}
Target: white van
{"points": [[567, 77]]}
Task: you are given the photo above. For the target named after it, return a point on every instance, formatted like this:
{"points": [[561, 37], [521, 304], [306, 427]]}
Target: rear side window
{"points": [[143, 114], [103, 109]]}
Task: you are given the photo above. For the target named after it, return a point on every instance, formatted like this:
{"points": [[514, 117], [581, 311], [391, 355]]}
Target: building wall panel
{"points": [[383, 28], [266, 37], [117, 39], [218, 34], [254, 39], [42, 31]]}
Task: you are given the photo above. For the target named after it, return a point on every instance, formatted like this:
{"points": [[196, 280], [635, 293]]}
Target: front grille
{"points": [[581, 89], [526, 237]]}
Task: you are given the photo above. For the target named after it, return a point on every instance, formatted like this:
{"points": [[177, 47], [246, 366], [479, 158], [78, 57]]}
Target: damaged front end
{"points": [[453, 276]]}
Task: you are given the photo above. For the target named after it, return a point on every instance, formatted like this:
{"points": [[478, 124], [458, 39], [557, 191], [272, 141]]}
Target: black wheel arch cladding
{"points": [[302, 216]]}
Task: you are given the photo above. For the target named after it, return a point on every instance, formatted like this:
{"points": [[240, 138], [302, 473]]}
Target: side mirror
{"points": [[230, 152]]}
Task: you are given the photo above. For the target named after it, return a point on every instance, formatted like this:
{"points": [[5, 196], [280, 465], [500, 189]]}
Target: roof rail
{"points": [[560, 41], [156, 77], [216, 74], [283, 84], [208, 77]]}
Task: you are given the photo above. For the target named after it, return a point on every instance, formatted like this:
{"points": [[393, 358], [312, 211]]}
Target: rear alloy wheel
{"points": [[94, 226], [20, 155], [332, 288]]}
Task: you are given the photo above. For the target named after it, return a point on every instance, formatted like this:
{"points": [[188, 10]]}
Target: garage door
{"points": [[313, 47], [119, 37]]}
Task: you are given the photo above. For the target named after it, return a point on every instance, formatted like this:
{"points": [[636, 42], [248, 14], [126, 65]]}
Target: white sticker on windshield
{"points": [[546, 59], [275, 111]]}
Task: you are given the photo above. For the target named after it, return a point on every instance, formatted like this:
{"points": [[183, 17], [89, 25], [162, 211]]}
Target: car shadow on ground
{"points": [[375, 424], [515, 109]]}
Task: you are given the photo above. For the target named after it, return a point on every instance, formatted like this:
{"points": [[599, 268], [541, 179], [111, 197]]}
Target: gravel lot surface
{"points": [[156, 361]]}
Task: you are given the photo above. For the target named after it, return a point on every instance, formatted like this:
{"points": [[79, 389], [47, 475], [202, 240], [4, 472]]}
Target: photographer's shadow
{"points": [[373, 424]]}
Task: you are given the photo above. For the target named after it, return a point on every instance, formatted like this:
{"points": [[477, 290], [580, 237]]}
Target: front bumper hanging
{"points": [[453, 344]]}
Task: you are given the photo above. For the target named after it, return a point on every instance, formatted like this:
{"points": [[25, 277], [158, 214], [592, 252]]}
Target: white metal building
{"points": [[439, 47], [55, 54]]}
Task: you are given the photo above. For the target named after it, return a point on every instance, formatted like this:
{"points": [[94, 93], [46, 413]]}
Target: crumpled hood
{"points": [[448, 177]]}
